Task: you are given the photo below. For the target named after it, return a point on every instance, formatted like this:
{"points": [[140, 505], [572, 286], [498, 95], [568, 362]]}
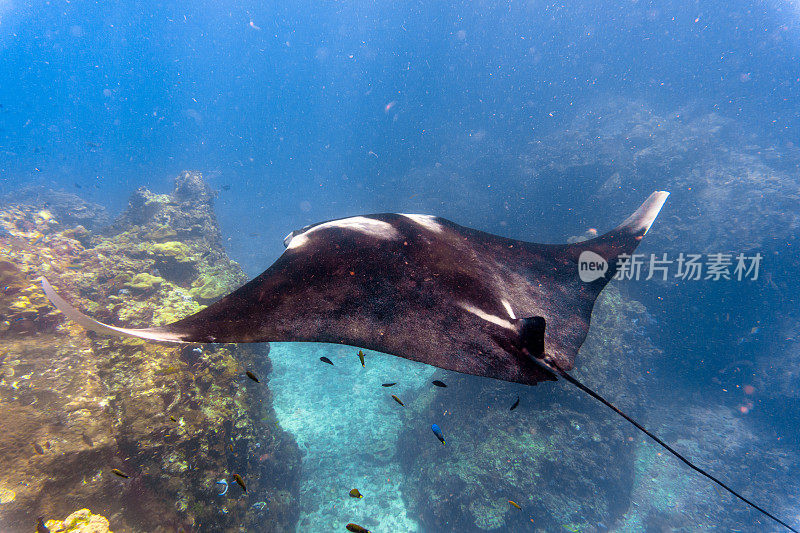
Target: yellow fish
{"points": [[361, 356], [238, 479]]}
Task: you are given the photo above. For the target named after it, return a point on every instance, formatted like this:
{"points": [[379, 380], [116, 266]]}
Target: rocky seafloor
{"points": [[175, 419]]}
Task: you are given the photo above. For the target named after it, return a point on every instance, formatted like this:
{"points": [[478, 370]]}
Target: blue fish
{"points": [[224, 485], [438, 432]]}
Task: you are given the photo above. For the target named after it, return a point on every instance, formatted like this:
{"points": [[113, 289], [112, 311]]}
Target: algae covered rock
{"points": [[144, 281], [64, 208], [561, 456], [83, 521], [174, 251], [175, 418]]}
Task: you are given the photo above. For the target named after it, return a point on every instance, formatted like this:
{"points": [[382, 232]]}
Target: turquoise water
{"points": [[348, 427]]}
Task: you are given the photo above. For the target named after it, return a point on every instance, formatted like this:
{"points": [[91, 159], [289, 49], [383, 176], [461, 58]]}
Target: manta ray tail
{"points": [[664, 445], [153, 334]]}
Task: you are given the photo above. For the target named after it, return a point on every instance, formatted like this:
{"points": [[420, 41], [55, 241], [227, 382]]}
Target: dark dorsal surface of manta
{"points": [[426, 289], [419, 287]]}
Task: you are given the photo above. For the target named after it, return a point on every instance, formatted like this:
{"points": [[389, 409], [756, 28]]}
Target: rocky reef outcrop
{"points": [[549, 455], [177, 420], [730, 188]]}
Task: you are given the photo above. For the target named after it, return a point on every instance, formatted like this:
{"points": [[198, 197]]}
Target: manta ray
{"points": [[426, 289]]}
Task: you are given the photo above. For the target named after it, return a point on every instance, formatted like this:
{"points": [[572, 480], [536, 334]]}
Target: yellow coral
{"points": [[160, 233], [20, 304], [7, 495], [209, 289], [175, 250], [144, 281], [82, 521]]}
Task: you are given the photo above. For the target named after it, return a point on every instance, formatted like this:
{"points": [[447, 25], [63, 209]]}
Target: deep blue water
{"points": [[305, 111], [288, 102]]}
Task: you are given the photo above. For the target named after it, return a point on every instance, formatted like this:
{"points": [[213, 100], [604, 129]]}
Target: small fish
{"points": [[438, 432], [252, 376], [438, 383], [361, 356], [395, 398], [326, 360], [226, 187], [515, 404], [389, 384], [38, 448], [119, 473], [40, 527], [224, 485], [259, 506], [238, 479], [173, 418], [87, 440], [78, 185], [355, 494], [515, 504], [355, 528], [230, 446]]}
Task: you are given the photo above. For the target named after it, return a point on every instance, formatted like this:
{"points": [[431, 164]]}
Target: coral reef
{"points": [[561, 456], [82, 521], [71, 212], [727, 186], [175, 418], [666, 496]]}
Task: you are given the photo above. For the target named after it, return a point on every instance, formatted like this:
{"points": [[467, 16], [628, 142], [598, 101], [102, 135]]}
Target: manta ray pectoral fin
{"points": [[153, 334], [620, 242], [640, 221]]}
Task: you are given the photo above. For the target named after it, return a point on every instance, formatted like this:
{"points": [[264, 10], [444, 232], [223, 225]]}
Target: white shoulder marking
{"points": [[503, 323], [508, 309], [368, 226], [426, 221]]}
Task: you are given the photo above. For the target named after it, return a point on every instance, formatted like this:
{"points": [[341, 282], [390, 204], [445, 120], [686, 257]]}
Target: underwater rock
{"points": [[665, 496], [566, 460], [66, 208], [174, 418], [729, 189], [144, 281], [83, 521]]}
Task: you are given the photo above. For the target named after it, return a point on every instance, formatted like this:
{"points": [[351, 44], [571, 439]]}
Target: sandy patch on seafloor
{"points": [[347, 425]]}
